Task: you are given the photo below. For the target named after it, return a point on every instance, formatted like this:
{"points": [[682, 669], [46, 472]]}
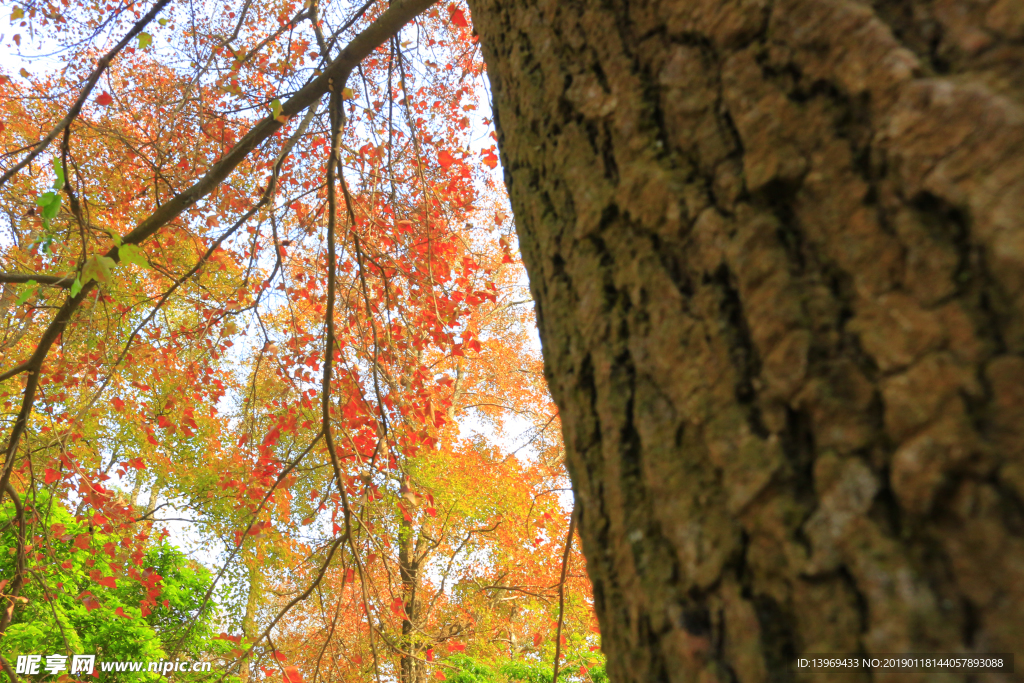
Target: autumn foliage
{"points": [[259, 275]]}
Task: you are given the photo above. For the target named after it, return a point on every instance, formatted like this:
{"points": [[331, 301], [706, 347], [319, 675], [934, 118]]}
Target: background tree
{"points": [[778, 260], [62, 610], [259, 284]]}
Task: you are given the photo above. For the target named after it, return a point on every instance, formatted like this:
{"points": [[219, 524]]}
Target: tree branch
{"points": [[54, 280]]}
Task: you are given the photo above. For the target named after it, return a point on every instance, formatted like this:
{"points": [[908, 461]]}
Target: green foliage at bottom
{"points": [[74, 614]]}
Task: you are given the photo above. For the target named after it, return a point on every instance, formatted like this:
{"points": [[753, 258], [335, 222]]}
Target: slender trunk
{"points": [[777, 255], [16, 582], [136, 489], [154, 495], [249, 625], [411, 670]]}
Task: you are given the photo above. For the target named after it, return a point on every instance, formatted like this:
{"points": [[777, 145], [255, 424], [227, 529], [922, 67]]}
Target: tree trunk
{"points": [[249, 624], [408, 567], [778, 265]]}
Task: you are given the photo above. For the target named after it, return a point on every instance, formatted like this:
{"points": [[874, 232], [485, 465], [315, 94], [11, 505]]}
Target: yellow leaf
{"points": [[97, 268], [347, 94], [17, 13]]}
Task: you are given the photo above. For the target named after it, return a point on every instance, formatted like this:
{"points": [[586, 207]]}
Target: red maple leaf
{"points": [[458, 18], [104, 99]]}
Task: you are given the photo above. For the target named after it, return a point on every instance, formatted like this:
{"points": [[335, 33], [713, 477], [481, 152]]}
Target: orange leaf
{"points": [[292, 675], [445, 159], [51, 476]]}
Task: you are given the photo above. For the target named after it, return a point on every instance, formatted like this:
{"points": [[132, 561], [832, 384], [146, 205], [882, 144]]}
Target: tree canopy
{"points": [[271, 393]]}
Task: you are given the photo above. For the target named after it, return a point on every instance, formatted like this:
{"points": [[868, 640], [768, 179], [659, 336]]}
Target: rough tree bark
{"points": [[777, 254]]}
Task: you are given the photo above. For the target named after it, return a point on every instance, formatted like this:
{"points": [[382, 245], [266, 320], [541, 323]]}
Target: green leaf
{"points": [[163, 22], [30, 287], [275, 108], [50, 201], [17, 13], [58, 168], [116, 238], [145, 40], [76, 287], [132, 253], [97, 268]]}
